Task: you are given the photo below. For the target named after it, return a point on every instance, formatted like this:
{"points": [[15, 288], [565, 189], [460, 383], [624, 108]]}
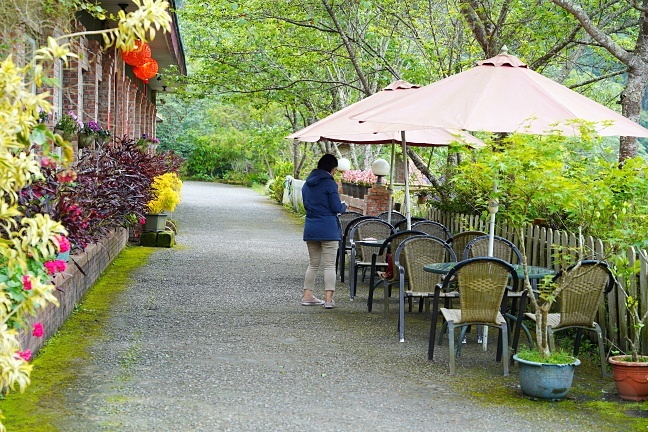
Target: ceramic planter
{"points": [[630, 378], [155, 222], [545, 381]]}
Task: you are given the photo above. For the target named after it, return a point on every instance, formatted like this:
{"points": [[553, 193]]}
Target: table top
{"points": [[535, 272]]}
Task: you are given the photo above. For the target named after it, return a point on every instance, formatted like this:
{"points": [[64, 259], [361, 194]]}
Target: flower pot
{"points": [[346, 189], [63, 256], [155, 222], [67, 136], [545, 381], [85, 140], [362, 191], [630, 378]]}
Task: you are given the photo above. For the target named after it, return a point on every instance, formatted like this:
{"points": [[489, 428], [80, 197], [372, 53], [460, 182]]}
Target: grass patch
{"points": [[55, 366]]}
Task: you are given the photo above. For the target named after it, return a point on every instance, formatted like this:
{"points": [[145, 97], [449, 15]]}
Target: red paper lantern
{"points": [[140, 54], [147, 71]]}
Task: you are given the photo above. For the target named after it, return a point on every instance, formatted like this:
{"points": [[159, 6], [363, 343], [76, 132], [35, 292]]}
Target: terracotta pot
{"points": [[630, 378]]}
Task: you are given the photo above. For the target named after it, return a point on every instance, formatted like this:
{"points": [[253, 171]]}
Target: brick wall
{"points": [[73, 284]]}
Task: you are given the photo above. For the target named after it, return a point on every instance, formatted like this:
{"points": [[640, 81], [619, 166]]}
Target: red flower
{"points": [[63, 243], [27, 285], [38, 330], [25, 355], [67, 176]]}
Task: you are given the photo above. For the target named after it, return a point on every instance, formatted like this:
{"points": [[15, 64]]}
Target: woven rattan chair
{"points": [[344, 219], [391, 244], [346, 241], [409, 258], [402, 225], [482, 285], [433, 228], [502, 249], [396, 217], [361, 254], [579, 301], [460, 241]]}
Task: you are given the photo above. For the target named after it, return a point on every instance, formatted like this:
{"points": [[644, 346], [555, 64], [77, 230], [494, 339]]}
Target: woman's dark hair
{"points": [[327, 163]]}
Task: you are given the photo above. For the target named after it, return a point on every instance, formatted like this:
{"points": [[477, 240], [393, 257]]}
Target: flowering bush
{"points": [[69, 123], [90, 128], [359, 177], [166, 193]]}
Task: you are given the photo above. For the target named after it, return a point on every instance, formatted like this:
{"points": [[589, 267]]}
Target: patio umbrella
{"points": [[501, 95], [339, 127]]}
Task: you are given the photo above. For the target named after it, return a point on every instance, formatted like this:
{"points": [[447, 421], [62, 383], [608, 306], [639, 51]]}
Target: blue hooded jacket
{"points": [[322, 204]]}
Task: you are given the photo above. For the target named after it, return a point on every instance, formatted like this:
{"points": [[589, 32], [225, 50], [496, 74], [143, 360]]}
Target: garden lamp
{"points": [[380, 168], [344, 164]]}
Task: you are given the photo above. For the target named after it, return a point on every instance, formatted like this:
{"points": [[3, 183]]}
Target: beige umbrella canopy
{"points": [[501, 95], [339, 127]]}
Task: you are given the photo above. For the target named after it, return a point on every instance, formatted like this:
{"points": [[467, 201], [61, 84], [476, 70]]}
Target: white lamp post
{"points": [[344, 164], [380, 168]]}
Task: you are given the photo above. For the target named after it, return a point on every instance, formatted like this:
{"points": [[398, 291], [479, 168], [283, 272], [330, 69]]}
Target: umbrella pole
{"points": [[390, 190], [493, 206], [408, 212]]}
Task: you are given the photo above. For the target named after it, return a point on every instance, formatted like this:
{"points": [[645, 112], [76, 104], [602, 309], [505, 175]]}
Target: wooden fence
{"points": [[543, 244]]}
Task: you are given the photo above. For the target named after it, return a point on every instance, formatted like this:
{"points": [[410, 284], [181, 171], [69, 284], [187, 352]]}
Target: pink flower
{"points": [[38, 330], [25, 355], [63, 243], [27, 285], [50, 266], [67, 176], [142, 221], [60, 265]]}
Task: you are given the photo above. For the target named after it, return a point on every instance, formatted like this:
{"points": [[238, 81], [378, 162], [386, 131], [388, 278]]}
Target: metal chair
{"points": [[360, 254], [482, 284], [409, 258], [396, 217], [344, 219], [433, 228], [390, 245], [584, 287], [346, 241]]}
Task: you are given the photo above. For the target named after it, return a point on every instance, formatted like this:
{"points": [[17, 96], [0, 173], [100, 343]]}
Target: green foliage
{"points": [[557, 357], [276, 186]]}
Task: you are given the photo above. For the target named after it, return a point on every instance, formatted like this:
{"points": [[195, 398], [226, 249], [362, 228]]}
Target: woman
{"points": [[321, 229]]}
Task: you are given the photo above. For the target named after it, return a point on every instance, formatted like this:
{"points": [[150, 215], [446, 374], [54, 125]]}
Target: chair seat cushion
{"points": [[454, 315]]}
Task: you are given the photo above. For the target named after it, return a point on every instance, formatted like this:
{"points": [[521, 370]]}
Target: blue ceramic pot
{"points": [[545, 381]]}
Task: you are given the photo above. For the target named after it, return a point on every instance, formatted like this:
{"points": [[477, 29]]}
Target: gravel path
{"points": [[211, 337]]}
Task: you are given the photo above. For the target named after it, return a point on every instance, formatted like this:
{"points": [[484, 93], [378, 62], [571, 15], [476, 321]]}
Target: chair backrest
{"points": [[346, 239], [433, 228], [460, 241], [369, 228], [396, 217], [394, 241], [415, 252], [502, 249], [584, 287], [345, 218], [481, 283], [402, 225]]}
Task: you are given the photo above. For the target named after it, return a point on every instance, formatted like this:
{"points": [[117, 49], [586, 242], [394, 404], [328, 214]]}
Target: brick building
{"points": [[99, 85]]}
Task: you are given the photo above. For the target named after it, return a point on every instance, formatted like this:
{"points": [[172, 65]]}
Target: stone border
{"points": [[82, 272]]}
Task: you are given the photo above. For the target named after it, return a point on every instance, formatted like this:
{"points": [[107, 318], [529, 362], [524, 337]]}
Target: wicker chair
{"points": [[460, 241], [482, 285], [584, 287], [433, 228], [361, 254], [502, 249], [390, 244], [346, 241], [402, 225], [409, 258], [344, 218], [396, 217]]}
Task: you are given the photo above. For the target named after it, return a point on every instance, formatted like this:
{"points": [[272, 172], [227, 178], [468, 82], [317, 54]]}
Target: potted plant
{"points": [[103, 135], [88, 133], [68, 126], [166, 195], [630, 371]]}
